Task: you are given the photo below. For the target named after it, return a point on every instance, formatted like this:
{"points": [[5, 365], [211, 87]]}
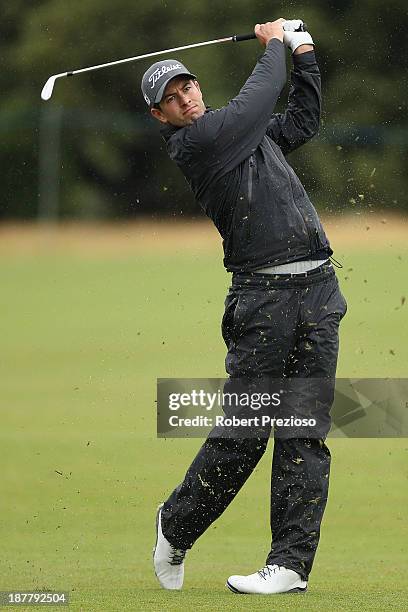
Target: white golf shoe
{"points": [[168, 561], [270, 579]]}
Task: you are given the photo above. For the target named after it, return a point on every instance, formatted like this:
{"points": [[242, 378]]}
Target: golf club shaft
{"points": [[49, 85], [146, 55], [47, 90], [234, 38]]}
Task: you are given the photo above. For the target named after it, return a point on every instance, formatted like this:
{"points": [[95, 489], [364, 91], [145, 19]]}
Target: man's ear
{"points": [[197, 84], [157, 114]]}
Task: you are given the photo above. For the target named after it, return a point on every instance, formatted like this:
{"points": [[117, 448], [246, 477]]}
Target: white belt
{"points": [[295, 267]]}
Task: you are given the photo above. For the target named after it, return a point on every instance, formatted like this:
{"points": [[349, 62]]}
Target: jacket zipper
{"points": [[250, 178], [309, 233], [250, 190]]}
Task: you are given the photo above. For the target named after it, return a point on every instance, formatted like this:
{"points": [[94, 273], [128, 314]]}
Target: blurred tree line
{"points": [[93, 150]]}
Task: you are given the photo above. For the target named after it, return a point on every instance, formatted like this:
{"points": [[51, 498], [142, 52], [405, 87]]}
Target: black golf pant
{"points": [[284, 326]]}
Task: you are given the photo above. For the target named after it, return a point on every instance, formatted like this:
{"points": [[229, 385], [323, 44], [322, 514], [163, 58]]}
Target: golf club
{"points": [[294, 25]]}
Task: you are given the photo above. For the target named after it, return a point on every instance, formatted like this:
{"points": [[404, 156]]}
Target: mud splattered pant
{"points": [[284, 326]]}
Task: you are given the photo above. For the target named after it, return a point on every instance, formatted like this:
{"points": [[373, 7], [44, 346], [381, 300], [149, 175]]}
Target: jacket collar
{"points": [[167, 130]]}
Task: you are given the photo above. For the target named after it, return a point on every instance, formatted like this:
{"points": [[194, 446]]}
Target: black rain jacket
{"points": [[234, 161]]}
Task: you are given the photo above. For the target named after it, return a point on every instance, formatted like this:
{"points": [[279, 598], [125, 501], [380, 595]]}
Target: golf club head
{"points": [[49, 86]]}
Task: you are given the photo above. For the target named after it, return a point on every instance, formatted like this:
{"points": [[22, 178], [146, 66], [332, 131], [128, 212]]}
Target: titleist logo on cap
{"points": [[159, 72]]}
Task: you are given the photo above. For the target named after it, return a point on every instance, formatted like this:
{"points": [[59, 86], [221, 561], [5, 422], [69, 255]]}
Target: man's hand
{"points": [[297, 40], [272, 29]]}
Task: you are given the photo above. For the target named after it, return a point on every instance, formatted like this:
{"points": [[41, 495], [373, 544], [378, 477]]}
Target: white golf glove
{"points": [[293, 40], [292, 25]]}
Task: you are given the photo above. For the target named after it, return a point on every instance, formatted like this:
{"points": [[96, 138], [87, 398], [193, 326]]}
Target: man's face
{"points": [[182, 103]]}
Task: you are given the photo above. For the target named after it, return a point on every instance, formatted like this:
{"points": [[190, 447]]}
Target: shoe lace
{"points": [[267, 571], [177, 556]]}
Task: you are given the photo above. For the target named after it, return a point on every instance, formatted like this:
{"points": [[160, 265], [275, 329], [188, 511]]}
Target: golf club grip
{"points": [[240, 37]]}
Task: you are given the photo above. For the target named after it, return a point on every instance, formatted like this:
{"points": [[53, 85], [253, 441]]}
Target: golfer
{"points": [[283, 309]]}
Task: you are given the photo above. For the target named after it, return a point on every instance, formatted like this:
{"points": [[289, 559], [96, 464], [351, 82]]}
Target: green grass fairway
{"points": [[83, 340]]}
